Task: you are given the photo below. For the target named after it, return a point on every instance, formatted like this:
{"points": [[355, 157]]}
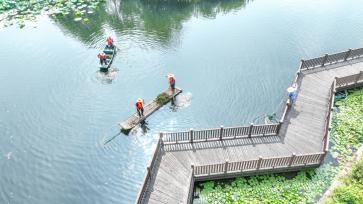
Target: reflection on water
{"points": [[156, 21]]}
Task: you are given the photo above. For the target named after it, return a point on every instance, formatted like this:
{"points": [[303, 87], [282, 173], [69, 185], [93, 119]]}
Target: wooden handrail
{"points": [[331, 59], [148, 175], [191, 187], [260, 164], [342, 82], [222, 133]]}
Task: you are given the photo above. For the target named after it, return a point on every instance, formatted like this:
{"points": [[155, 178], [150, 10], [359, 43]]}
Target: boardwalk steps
{"points": [[300, 140], [149, 109]]}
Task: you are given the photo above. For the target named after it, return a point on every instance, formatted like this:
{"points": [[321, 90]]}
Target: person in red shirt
{"points": [[109, 42], [140, 107], [172, 82], [102, 57]]}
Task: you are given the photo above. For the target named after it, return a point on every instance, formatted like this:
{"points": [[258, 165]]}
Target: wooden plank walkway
{"points": [[149, 109], [299, 143]]}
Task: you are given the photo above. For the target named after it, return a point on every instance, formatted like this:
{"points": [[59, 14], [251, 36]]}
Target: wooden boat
{"points": [[110, 54], [149, 109]]}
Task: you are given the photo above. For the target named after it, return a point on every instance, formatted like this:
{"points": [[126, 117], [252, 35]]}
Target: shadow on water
{"points": [[140, 129], [156, 20]]}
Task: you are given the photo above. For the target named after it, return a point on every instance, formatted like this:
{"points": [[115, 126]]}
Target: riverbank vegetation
{"points": [[307, 186], [352, 189]]}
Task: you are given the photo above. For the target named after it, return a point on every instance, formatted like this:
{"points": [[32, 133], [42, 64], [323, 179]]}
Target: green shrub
{"points": [[351, 194], [357, 174]]}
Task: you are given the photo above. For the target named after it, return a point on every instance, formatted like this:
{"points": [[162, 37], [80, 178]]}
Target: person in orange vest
{"points": [[109, 42], [172, 81], [102, 57], [140, 107]]}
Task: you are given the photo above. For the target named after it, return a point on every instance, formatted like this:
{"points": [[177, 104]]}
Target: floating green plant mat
{"points": [[21, 11], [307, 186]]}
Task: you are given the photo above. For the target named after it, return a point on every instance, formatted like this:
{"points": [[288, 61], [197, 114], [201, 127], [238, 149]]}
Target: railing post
{"points": [[347, 54], [161, 139], [292, 159], [358, 77], [192, 166], [148, 172], [259, 162], [191, 187], [221, 133], [225, 166], [324, 60], [279, 127], [301, 65], [323, 156], [191, 135], [250, 130]]}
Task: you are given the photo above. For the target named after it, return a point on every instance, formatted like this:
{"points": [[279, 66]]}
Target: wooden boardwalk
{"points": [[149, 109], [299, 141]]}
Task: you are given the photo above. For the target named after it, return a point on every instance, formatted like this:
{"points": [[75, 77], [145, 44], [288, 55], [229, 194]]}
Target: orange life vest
{"points": [[139, 105], [109, 41], [101, 55]]}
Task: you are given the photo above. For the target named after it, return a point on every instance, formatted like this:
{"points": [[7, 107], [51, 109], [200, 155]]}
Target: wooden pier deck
{"points": [[149, 109], [300, 140]]}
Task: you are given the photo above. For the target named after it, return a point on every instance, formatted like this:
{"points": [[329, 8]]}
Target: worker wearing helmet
{"points": [[172, 81], [109, 42], [102, 57], [140, 107]]}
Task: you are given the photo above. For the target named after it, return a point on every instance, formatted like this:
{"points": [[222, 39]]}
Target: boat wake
{"points": [[107, 77], [183, 100]]}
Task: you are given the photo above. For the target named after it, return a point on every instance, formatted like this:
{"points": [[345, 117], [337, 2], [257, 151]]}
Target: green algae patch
{"points": [[309, 185]]}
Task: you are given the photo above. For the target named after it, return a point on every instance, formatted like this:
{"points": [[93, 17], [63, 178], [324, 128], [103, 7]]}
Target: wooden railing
{"points": [[149, 173], [257, 165], [349, 81], [329, 117], [338, 83], [331, 59], [191, 187], [221, 133]]}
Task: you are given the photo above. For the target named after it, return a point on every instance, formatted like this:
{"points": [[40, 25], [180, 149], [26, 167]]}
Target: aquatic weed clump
{"points": [[21, 11], [307, 186], [163, 98]]}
